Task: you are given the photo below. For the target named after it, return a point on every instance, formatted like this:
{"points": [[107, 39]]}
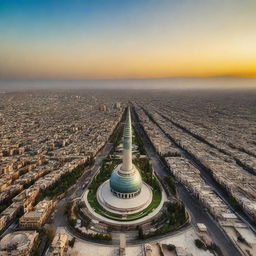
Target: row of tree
{"points": [[64, 182]]}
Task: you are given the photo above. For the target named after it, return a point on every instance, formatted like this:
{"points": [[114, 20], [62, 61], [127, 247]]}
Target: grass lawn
{"points": [[105, 173], [147, 175], [157, 196]]}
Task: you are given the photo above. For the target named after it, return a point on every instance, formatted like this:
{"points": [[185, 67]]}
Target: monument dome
{"points": [[126, 184]]}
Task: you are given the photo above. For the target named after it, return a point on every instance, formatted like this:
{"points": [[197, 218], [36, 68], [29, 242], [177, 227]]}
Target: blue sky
{"points": [[77, 39]]}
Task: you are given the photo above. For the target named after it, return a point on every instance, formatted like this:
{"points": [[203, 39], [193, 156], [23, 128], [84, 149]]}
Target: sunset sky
{"points": [[75, 39]]}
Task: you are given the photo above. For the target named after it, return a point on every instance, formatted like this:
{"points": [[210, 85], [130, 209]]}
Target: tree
{"points": [[170, 247], [199, 244], [140, 233], [72, 242]]}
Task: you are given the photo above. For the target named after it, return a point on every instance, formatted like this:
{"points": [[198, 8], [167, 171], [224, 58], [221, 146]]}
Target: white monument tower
{"points": [[125, 192]]}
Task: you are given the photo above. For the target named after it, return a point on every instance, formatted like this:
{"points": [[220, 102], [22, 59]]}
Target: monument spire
{"points": [[127, 144], [125, 181]]}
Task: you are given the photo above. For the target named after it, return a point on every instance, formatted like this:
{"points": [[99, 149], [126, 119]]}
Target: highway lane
{"points": [[196, 209]]}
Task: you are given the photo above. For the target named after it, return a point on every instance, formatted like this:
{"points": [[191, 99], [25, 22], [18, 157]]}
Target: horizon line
{"points": [[127, 78]]}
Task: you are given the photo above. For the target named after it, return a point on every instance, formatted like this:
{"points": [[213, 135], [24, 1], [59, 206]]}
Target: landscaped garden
{"points": [[174, 216], [171, 217], [105, 173], [72, 211], [146, 172]]}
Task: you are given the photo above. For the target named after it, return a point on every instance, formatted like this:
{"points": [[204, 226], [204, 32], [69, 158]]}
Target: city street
{"points": [[77, 189]]}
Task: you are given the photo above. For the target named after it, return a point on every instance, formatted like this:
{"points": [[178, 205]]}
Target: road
{"points": [[77, 189], [195, 208]]}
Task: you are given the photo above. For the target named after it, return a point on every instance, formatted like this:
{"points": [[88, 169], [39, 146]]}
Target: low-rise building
{"points": [[18, 243], [12, 211], [3, 221], [37, 217], [58, 245]]}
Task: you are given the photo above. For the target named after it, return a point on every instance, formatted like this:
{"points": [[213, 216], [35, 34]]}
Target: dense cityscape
{"points": [[200, 146]]}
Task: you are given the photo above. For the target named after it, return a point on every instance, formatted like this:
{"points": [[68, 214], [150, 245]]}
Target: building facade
{"points": [[37, 217]]}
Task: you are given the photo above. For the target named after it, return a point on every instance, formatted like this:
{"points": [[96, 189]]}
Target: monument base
{"points": [[123, 206]]}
